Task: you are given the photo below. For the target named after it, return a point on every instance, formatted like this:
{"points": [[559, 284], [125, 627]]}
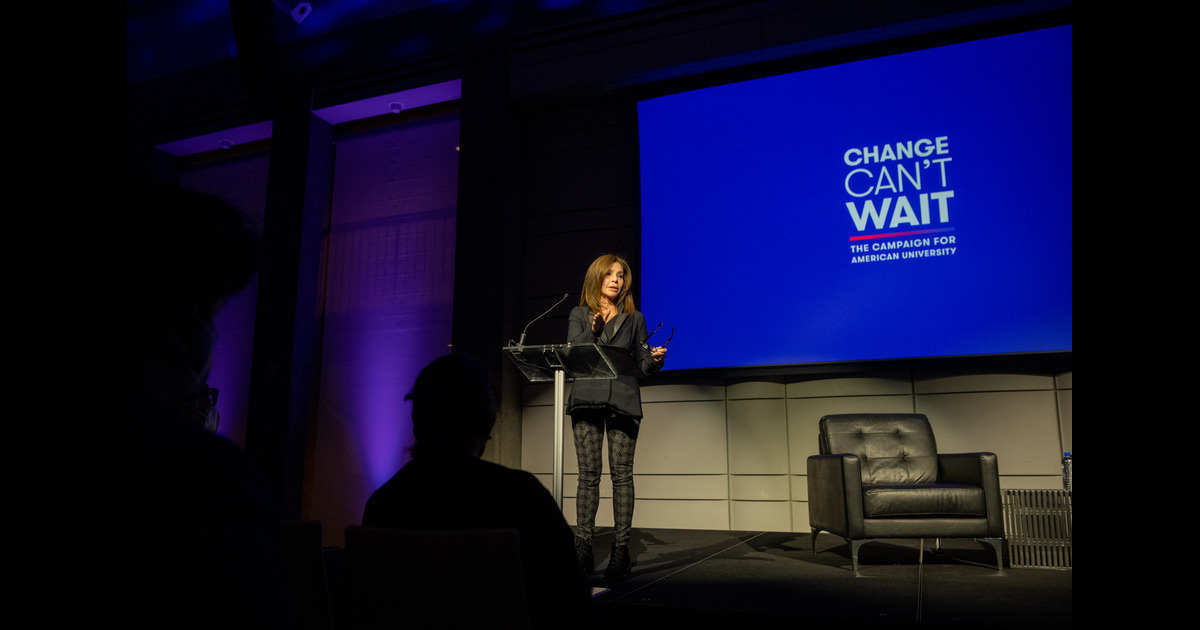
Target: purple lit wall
{"points": [[242, 182], [389, 294]]}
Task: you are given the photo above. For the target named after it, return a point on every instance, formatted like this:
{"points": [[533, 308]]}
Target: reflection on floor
{"points": [[703, 578]]}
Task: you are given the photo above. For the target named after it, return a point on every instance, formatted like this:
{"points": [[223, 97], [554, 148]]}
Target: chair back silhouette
{"points": [[881, 476], [398, 578], [304, 572]]}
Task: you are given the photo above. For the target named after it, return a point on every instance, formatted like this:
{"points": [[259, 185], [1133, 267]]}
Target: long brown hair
{"points": [[594, 280]]}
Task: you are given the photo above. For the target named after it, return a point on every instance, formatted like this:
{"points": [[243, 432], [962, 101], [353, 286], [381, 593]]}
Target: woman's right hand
{"points": [[597, 323]]}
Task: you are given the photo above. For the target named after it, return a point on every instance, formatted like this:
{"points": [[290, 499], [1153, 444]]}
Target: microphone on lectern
{"points": [[521, 341]]}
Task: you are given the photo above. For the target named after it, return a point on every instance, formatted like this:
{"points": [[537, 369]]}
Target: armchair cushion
{"points": [[923, 501]]}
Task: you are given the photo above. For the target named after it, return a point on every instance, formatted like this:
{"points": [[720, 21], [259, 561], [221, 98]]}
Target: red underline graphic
{"points": [[891, 234]]}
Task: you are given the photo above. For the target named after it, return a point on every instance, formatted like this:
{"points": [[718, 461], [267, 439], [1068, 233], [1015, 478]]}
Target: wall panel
{"points": [[388, 307], [735, 455]]}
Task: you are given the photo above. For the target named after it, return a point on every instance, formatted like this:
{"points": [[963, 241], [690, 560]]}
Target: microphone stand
{"points": [[521, 341], [559, 384]]}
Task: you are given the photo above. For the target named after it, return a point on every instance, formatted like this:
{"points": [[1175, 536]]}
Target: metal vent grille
{"points": [[1037, 525]]}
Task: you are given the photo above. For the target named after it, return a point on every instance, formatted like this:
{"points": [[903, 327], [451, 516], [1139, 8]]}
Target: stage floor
{"points": [[703, 578]]}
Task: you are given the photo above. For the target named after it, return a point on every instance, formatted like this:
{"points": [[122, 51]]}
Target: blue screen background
{"points": [[746, 234]]}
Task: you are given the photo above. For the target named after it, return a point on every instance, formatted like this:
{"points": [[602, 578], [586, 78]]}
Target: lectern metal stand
{"points": [[557, 363]]}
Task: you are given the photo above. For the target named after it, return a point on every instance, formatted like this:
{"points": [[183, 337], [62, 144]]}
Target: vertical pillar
{"points": [[487, 248], [287, 328]]}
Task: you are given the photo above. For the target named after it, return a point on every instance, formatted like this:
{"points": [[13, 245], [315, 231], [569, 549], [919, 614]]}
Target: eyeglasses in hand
{"points": [[660, 324]]}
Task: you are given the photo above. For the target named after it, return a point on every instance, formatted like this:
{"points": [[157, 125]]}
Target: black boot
{"points": [[583, 551], [619, 562]]}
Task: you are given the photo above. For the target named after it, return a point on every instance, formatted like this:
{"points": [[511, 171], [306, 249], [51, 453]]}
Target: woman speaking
{"points": [[606, 316]]}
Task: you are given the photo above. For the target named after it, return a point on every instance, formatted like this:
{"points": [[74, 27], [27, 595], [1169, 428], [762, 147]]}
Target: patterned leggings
{"points": [[589, 427]]}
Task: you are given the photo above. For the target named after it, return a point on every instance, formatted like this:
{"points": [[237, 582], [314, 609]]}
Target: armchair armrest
{"points": [[835, 494], [978, 469], [970, 468]]}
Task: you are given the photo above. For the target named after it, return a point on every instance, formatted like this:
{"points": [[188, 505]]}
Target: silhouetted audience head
{"points": [[453, 410], [201, 531], [185, 252]]}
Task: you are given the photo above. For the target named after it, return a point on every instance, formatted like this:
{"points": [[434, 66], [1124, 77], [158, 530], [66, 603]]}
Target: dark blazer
{"points": [[622, 394]]}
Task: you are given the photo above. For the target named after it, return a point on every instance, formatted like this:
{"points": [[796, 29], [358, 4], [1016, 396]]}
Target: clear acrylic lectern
{"points": [[558, 363]]}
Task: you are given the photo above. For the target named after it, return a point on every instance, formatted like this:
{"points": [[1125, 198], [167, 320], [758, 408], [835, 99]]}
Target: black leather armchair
{"points": [[880, 476]]}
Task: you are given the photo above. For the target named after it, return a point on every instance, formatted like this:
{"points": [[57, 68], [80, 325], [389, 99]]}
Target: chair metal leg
{"points": [[998, 546], [854, 547]]}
